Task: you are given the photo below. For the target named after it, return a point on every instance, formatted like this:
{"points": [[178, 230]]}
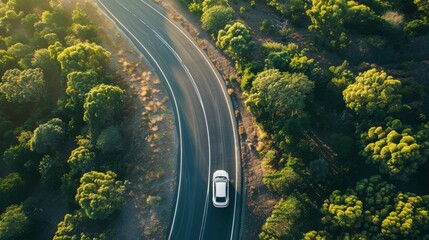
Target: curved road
{"points": [[204, 115]]}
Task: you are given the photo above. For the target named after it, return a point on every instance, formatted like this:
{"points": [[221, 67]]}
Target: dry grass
{"points": [[150, 131]]}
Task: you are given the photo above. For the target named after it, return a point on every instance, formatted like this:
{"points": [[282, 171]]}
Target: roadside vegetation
{"points": [[60, 117], [338, 90]]}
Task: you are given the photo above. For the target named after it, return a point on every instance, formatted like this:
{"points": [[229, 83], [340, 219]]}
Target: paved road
{"points": [[204, 116]]}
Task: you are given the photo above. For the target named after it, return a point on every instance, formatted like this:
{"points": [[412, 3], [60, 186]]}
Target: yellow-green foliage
{"points": [[373, 91], [343, 210], [100, 194], [395, 149]]}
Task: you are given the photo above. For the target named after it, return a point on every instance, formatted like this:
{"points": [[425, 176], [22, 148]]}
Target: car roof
{"points": [[220, 189], [220, 173]]}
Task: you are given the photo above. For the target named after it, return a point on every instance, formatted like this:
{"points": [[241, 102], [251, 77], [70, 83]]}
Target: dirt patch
{"points": [[258, 202], [150, 132]]}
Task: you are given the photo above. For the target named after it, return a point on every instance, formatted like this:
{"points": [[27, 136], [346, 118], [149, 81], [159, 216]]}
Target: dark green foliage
{"points": [[23, 86], [48, 136], [15, 156], [42, 47], [102, 103], [293, 9], [51, 169], [110, 140], [216, 17], [417, 27], [319, 169], [11, 189], [267, 26], [100, 194], [6, 61], [341, 76], [13, 222], [277, 99], [42, 59]]}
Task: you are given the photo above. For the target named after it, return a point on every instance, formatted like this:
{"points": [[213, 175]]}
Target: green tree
{"points": [[75, 226], [319, 169], [110, 140], [83, 57], [23, 86], [395, 149], [277, 99], [291, 59], [100, 194], [207, 4], [216, 17], [81, 159], [373, 92], [378, 197], [15, 156], [80, 17], [344, 211], [42, 59], [409, 219], [341, 76], [13, 222], [287, 219], [293, 9], [55, 49], [374, 210], [79, 84], [23, 52], [235, 41], [48, 136], [11, 189], [282, 181], [101, 104], [6, 61], [327, 18], [51, 169], [317, 235]]}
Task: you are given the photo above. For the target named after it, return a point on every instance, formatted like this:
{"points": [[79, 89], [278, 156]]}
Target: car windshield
{"points": [[221, 179], [220, 199]]}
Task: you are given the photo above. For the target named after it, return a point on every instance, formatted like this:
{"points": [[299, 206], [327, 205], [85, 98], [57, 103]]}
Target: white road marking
{"points": [[237, 150], [220, 82], [172, 93], [205, 118]]}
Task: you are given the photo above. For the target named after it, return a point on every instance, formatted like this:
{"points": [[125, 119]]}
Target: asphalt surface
{"points": [[208, 138]]}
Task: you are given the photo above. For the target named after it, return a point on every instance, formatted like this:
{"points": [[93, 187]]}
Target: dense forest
{"points": [[338, 89], [60, 116]]}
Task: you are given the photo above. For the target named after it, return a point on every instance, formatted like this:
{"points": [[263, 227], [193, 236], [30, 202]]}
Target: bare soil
{"points": [[150, 132]]}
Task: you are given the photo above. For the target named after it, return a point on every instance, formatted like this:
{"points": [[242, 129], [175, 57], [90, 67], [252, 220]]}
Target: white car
{"points": [[220, 189]]}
